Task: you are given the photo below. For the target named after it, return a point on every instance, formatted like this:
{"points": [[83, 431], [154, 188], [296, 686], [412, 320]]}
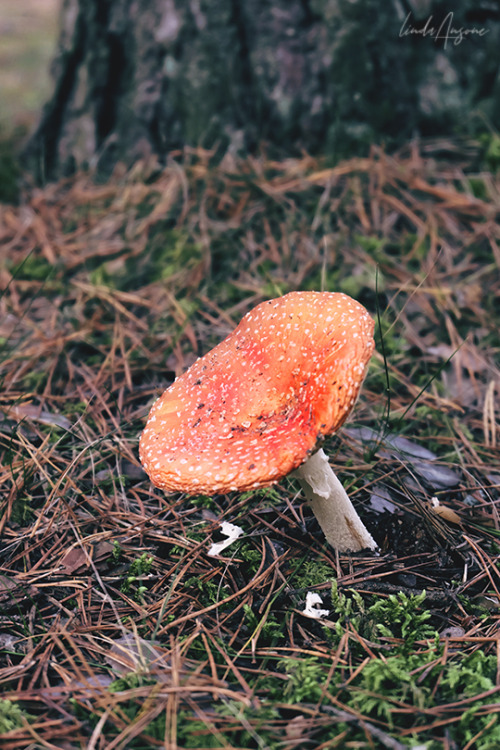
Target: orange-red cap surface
{"points": [[253, 409]]}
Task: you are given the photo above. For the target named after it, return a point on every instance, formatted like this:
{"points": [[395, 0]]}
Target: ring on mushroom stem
{"points": [[256, 407]]}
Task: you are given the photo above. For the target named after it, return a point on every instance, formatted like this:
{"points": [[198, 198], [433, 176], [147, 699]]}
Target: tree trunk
{"points": [[140, 77]]}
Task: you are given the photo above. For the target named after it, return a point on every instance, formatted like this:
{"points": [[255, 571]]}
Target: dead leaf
{"points": [[78, 558], [36, 414], [444, 511], [131, 653], [381, 501]]}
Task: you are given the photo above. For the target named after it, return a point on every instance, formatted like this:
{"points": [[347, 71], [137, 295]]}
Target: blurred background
{"points": [[328, 77], [28, 36]]}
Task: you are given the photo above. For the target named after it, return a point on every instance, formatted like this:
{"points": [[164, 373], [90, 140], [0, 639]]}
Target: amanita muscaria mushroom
{"points": [[258, 406]]}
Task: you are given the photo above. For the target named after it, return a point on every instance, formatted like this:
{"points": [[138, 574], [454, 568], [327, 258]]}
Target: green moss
{"points": [[309, 573], [33, 268], [140, 567], [22, 512], [491, 150], [208, 591], [12, 716]]}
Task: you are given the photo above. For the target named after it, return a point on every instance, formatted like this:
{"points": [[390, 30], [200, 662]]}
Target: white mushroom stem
{"points": [[330, 503]]}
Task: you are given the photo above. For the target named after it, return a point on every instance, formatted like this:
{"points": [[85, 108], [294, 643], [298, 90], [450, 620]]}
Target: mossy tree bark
{"points": [[139, 77]]}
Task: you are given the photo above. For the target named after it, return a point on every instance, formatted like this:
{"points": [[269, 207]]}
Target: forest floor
{"points": [[117, 628]]}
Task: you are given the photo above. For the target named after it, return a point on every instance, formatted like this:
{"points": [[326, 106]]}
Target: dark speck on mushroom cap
{"points": [[253, 409]]}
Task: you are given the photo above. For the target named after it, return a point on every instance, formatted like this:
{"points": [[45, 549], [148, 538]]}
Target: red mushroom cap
{"points": [[254, 408]]}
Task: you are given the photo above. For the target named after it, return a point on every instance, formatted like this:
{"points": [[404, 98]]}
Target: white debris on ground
{"points": [[311, 609], [232, 532]]}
